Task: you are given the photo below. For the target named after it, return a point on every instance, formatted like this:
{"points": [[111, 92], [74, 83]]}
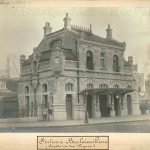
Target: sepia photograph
{"points": [[75, 70]]}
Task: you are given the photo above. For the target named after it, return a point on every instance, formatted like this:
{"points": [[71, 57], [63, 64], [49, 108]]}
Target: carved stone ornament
{"points": [[52, 85], [34, 84]]}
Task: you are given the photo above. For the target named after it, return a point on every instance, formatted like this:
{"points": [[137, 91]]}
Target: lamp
{"points": [[117, 96]]}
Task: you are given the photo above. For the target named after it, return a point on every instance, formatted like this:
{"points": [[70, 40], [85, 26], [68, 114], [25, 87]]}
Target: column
{"points": [[112, 112], [99, 103], [108, 105], [119, 105], [108, 99], [40, 112], [124, 111], [97, 113], [79, 108], [135, 104]]}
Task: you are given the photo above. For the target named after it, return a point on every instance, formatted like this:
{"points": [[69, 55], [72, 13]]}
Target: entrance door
{"points": [[103, 105], [27, 106], [129, 104], [89, 105], [69, 106]]}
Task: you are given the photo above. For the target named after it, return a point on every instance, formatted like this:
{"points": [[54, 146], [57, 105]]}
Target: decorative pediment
{"points": [[44, 81], [28, 83], [87, 81], [52, 85], [67, 80], [34, 84]]}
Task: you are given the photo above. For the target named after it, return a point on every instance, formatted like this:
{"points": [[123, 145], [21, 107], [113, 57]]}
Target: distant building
{"points": [[9, 107], [73, 71], [145, 101], [147, 88], [139, 77]]}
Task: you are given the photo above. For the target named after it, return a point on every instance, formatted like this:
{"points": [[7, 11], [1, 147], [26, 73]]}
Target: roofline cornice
{"points": [[101, 44]]}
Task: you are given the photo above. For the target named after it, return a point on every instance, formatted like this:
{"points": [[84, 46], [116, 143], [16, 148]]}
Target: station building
{"points": [[73, 71]]}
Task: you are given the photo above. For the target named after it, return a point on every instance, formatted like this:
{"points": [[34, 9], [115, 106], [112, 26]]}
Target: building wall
{"points": [[75, 73], [139, 77]]}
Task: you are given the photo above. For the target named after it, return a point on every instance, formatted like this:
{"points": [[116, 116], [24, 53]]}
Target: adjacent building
{"points": [[8, 101], [73, 71]]}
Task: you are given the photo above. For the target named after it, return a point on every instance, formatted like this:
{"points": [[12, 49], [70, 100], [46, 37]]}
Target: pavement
{"points": [[104, 120]]}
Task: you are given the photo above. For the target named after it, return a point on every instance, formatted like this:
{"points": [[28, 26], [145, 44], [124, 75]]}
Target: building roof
{"points": [[106, 91], [69, 54], [45, 56], [95, 38], [28, 61]]}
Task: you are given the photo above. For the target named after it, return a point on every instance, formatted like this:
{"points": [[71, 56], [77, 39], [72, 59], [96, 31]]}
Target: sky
{"points": [[21, 29]]}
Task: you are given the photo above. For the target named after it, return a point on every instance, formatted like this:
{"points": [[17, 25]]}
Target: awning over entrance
{"points": [[107, 91]]}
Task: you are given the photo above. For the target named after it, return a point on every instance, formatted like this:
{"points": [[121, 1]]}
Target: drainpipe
{"points": [[35, 103], [78, 79]]}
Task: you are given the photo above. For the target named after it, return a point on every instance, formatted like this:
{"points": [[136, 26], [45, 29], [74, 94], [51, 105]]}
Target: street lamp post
{"points": [[85, 100]]}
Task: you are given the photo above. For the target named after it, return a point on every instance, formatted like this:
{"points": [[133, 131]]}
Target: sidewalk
{"points": [[104, 120]]}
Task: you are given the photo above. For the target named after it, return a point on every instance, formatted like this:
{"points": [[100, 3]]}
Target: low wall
{"points": [[25, 119]]}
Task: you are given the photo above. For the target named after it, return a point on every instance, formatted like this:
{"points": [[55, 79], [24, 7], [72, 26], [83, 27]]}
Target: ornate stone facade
{"points": [[66, 63]]}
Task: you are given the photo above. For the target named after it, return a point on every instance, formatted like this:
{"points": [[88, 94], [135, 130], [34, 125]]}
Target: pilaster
{"points": [[112, 112], [124, 111], [96, 110], [135, 104]]}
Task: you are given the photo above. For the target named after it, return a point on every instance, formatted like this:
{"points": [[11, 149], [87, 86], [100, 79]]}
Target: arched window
{"points": [[116, 86], [44, 88], [102, 60], [45, 101], [129, 86], [90, 86], [103, 86], [45, 96], [89, 60], [69, 86], [56, 43], [115, 63], [139, 88], [66, 87], [26, 89]]}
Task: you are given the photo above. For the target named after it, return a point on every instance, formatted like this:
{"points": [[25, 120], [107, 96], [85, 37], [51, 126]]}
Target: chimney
{"points": [[47, 29], [90, 28], [109, 32], [130, 60], [67, 22]]}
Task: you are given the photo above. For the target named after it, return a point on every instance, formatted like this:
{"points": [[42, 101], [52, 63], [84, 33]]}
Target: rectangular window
{"points": [[102, 63], [27, 106]]}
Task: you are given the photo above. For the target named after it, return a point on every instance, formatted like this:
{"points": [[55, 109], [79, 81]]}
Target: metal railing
{"points": [[25, 111]]}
